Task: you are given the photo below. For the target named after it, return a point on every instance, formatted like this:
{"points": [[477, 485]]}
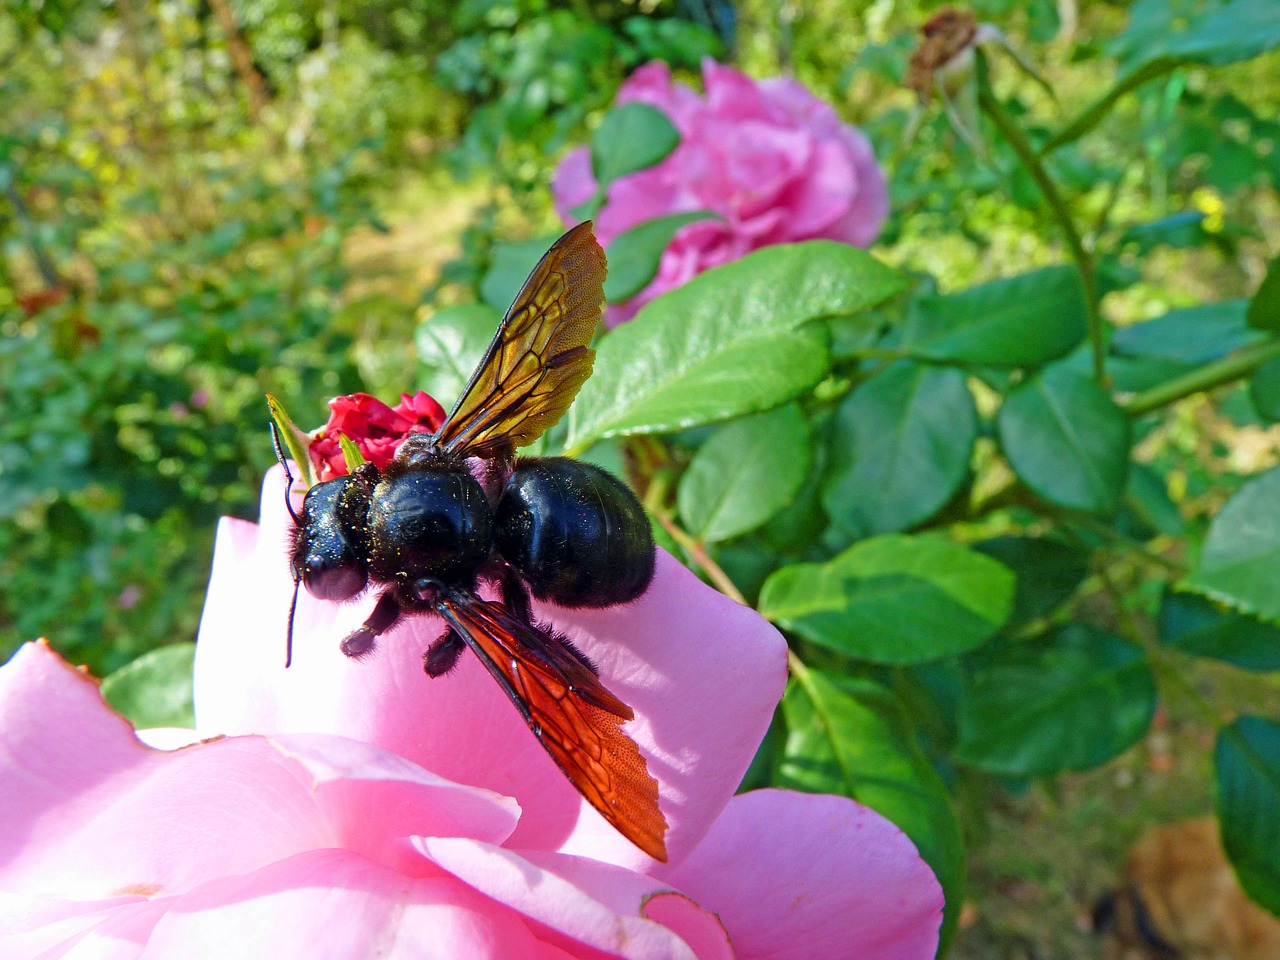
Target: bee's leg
{"points": [[385, 613], [515, 595], [442, 655]]}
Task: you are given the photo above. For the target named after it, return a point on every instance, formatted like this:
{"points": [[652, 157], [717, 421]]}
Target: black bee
{"points": [[456, 508]]}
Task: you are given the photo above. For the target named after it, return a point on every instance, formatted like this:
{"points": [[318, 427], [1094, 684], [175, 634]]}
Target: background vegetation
{"points": [[969, 521]]}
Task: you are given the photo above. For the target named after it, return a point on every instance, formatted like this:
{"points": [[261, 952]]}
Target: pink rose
{"points": [[373, 426], [359, 808], [772, 160]]}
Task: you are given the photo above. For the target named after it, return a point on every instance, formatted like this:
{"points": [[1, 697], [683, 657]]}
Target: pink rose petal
{"points": [[141, 822], [336, 905], [581, 901], [796, 876], [48, 927]]}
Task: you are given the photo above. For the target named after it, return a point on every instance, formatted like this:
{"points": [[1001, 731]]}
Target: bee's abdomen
{"points": [[577, 534]]}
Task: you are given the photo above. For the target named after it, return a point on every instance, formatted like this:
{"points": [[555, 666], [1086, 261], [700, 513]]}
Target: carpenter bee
{"points": [[456, 508]]}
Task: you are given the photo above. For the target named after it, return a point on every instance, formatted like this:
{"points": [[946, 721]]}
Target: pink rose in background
{"points": [[347, 809], [771, 159], [374, 427]]}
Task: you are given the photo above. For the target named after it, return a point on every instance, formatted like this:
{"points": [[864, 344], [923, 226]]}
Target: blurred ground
{"points": [[1050, 853]]}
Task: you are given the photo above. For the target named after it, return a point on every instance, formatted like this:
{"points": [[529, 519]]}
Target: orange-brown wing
{"points": [[539, 357], [571, 713]]}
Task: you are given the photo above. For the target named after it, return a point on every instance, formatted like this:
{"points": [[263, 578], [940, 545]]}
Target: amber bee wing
{"points": [[571, 713], [539, 357]]}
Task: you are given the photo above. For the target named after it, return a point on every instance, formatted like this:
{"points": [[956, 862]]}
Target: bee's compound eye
{"points": [[329, 578]]}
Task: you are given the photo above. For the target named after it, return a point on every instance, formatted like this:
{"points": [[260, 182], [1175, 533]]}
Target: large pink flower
{"points": [[771, 159], [359, 808]]}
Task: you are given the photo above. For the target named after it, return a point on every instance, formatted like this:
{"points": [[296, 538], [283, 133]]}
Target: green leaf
{"points": [[1264, 308], [451, 344], [1071, 703], [1240, 562], [1048, 572], [1197, 626], [295, 440], [727, 342], [631, 137], [744, 474], [1189, 337], [893, 599], [1148, 509], [1264, 390], [1214, 33], [156, 689], [350, 453], [1067, 440], [509, 266], [900, 448], [1247, 760], [852, 737], [1164, 35], [1020, 321], [635, 254], [1180, 231]]}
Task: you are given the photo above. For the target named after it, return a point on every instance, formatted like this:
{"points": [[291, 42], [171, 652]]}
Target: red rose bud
{"points": [[374, 427]]}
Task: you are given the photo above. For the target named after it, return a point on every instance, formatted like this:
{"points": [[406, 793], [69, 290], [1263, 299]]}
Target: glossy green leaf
{"points": [[1019, 321], [852, 737], [1070, 702], [728, 342], [1264, 308], [155, 690], [893, 599], [1067, 440], [1199, 627], [631, 137], [1247, 762], [1240, 562], [900, 447], [509, 266], [745, 473], [635, 254], [451, 344], [1048, 572]]}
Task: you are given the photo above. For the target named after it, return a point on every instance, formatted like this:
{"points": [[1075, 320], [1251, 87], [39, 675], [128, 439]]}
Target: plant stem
{"points": [[1230, 368], [797, 669], [1016, 139], [1159, 657], [1125, 543], [699, 553]]}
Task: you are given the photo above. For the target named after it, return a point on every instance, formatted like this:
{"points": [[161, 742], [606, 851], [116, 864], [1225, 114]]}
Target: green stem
{"points": [[1030, 159], [1230, 368], [1158, 657], [700, 556], [1118, 539], [798, 670]]}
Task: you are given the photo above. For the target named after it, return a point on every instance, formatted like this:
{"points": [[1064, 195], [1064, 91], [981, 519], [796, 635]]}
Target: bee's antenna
{"points": [[288, 644], [288, 498]]}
